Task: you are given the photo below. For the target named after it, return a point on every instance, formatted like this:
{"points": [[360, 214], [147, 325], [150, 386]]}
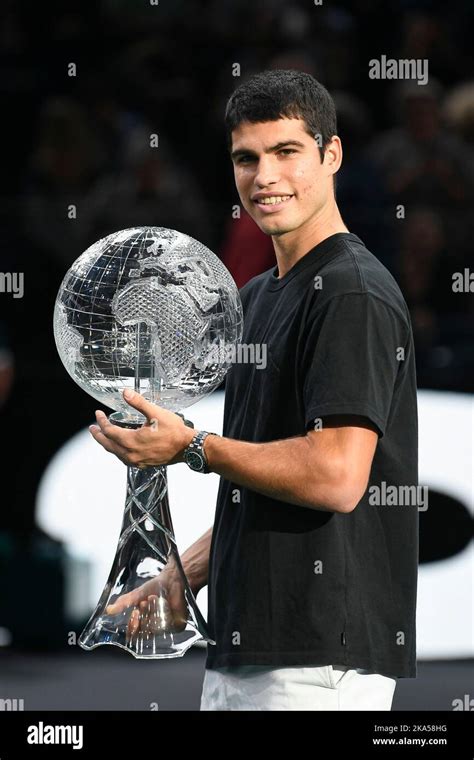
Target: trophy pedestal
{"points": [[147, 607]]}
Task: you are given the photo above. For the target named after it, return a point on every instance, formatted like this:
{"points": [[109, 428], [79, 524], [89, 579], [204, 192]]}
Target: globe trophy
{"points": [[154, 310]]}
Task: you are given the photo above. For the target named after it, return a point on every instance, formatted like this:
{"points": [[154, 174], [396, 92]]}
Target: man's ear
{"points": [[333, 154]]}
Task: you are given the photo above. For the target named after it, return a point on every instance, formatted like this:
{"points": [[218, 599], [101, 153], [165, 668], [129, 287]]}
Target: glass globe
{"points": [[151, 309]]}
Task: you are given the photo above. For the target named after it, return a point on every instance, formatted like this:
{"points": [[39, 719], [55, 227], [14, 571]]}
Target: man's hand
{"points": [[160, 441], [158, 605]]}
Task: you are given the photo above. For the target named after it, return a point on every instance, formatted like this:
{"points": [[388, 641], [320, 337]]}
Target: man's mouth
{"points": [[272, 202]]}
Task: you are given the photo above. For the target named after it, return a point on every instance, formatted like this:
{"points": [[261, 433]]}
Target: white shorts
{"points": [[329, 687]]}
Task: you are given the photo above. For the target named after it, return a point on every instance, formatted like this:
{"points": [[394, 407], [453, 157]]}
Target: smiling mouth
{"points": [[272, 200]]}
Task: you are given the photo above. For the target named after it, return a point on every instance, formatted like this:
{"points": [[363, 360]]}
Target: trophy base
{"points": [[147, 607], [159, 648]]}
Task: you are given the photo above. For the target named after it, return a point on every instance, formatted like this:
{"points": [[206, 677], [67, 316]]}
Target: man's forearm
{"points": [[326, 469], [283, 470], [195, 561]]}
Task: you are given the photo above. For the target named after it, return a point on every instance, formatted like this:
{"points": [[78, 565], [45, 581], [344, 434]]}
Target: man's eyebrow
{"points": [[278, 146]]}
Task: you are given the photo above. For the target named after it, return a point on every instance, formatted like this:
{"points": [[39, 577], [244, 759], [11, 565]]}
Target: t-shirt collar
{"points": [[319, 255]]}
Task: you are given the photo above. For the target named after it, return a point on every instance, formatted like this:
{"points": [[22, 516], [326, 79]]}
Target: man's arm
{"points": [[195, 561], [327, 469]]}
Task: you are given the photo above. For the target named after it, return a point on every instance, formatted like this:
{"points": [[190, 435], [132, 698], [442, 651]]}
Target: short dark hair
{"points": [[279, 93]]}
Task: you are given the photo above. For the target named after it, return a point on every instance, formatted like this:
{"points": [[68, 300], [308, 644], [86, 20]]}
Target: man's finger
{"points": [[113, 432], [133, 626], [151, 411], [101, 438], [124, 601]]}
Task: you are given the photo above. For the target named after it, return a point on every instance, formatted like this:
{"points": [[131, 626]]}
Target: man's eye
{"points": [[245, 159], [287, 151]]}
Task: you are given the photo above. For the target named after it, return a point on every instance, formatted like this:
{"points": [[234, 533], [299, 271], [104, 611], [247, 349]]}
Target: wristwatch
{"points": [[194, 455]]}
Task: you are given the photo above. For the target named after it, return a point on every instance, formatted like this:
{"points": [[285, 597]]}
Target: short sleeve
{"points": [[353, 350]]}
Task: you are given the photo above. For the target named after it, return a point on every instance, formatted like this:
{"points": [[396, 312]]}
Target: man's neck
{"points": [[292, 246]]}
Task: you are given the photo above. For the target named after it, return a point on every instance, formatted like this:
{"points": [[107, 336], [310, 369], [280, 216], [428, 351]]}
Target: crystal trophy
{"points": [[154, 310]]}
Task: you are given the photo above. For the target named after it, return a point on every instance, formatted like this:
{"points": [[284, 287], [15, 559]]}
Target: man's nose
{"points": [[267, 172]]}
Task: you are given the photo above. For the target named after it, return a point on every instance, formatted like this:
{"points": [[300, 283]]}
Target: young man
{"points": [[312, 571]]}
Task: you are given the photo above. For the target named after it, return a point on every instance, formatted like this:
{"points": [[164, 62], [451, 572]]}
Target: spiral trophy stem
{"points": [[147, 606]]}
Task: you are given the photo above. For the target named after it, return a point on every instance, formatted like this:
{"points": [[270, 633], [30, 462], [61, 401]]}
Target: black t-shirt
{"points": [[294, 586]]}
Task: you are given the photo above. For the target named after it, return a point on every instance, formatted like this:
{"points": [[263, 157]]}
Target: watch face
{"points": [[195, 460]]}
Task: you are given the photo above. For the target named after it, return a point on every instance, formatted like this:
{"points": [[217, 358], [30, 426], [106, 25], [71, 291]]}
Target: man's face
{"points": [[279, 175]]}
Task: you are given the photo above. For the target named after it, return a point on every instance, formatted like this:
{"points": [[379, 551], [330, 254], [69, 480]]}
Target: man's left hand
{"points": [[160, 441]]}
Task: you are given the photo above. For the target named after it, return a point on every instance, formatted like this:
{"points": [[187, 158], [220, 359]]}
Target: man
{"points": [[312, 576]]}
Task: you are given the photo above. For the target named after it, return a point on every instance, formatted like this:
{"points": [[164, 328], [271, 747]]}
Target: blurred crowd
{"points": [[78, 165]]}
